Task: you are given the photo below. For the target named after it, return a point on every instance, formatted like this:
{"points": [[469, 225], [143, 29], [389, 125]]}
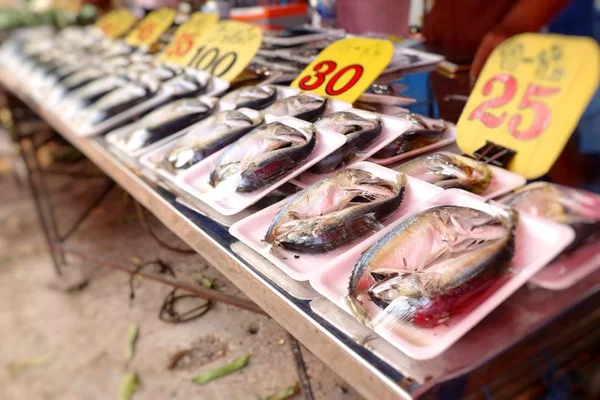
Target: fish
{"points": [[432, 265], [576, 208], [118, 101], [264, 155], [162, 122], [360, 133], [91, 92], [209, 136], [308, 107], [254, 97], [448, 170], [335, 210], [421, 135]]}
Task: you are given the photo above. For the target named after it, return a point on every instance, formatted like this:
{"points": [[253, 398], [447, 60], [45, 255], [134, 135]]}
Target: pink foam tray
{"points": [[225, 199], [301, 267], [569, 269], [448, 138], [536, 243], [391, 128]]}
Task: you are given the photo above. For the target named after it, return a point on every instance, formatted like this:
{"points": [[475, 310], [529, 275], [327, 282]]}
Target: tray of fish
{"points": [[305, 106], [201, 141], [256, 97], [136, 98], [366, 134], [303, 233], [572, 207], [452, 171], [425, 135], [427, 279], [262, 160], [159, 125]]}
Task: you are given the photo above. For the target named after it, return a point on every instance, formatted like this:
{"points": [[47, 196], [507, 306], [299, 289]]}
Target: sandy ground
{"points": [[71, 345]]}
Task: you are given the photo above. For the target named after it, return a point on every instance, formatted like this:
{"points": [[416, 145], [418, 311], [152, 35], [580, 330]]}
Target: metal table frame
{"points": [[368, 363]]}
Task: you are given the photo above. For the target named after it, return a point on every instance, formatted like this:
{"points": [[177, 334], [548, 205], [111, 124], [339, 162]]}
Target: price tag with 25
{"points": [[346, 68], [116, 23], [226, 49], [529, 98], [149, 30], [187, 38]]}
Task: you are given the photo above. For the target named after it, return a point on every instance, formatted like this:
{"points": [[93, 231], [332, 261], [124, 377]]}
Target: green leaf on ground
{"points": [[226, 369], [132, 336], [285, 393], [129, 385]]}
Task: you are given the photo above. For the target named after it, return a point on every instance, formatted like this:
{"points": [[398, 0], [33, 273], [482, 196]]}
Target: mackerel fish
{"points": [[335, 211], [264, 155], [360, 132], [576, 208], [421, 135], [448, 171], [254, 97], [432, 265], [308, 107], [210, 136]]}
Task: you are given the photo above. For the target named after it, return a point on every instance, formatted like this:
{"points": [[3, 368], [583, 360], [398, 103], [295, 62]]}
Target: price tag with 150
{"points": [[116, 23], [187, 38], [149, 30]]}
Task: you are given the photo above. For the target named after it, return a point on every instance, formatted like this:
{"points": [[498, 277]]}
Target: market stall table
{"points": [[530, 321]]}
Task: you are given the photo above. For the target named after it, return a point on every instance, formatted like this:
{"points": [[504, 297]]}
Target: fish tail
{"points": [[400, 310]]}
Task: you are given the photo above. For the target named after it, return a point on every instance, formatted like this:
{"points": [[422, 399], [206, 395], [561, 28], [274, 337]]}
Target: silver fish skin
{"points": [[449, 171], [360, 132], [254, 97], [335, 211], [162, 122], [264, 155], [210, 136], [576, 208], [304, 106], [432, 264]]}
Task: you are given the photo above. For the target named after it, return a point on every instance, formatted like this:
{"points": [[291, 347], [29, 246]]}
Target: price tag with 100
{"points": [[187, 38], [226, 49]]}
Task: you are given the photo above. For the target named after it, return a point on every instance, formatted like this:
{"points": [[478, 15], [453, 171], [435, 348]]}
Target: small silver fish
{"points": [[360, 133], [432, 265], [308, 107], [162, 122], [209, 136], [254, 97], [449, 171], [335, 210], [421, 135], [264, 155]]}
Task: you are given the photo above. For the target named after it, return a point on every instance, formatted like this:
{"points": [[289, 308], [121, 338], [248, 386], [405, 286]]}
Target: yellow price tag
{"points": [[149, 30], [346, 68], [116, 23], [529, 98], [226, 49], [187, 38]]}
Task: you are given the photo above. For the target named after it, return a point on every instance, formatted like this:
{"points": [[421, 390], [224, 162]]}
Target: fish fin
{"points": [[400, 310], [357, 309], [372, 222]]}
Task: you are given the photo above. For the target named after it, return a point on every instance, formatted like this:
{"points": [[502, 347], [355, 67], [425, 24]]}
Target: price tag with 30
{"points": [[116, 23], [529, 98], [187, 38], [149, 30], [346, 68], [226, 49]]}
